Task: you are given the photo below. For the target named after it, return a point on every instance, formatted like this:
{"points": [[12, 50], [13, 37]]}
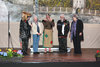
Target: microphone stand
{"points": [[9, 34]]}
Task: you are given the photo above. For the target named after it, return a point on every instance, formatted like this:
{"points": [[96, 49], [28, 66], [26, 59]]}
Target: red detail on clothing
{"points": [[98, 51], [21, 44], [51, 42], [25, 21]]}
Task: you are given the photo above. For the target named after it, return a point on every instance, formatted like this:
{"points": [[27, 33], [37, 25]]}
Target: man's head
{"points": [[35, 19], [62, 17], [75, 17]]}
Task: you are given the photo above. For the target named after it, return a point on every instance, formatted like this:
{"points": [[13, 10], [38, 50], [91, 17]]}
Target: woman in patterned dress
{"points": [[48, 32]]}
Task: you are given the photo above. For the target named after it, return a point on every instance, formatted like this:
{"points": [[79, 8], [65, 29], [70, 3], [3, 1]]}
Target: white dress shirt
{"points": [[63, 26]]}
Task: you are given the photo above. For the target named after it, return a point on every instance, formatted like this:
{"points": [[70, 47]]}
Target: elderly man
{"points": [[37, 30], [77, 34], [63, 29]]}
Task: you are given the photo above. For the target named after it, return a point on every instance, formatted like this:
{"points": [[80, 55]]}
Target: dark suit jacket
{"points": [[79, 29], [59, 28]]}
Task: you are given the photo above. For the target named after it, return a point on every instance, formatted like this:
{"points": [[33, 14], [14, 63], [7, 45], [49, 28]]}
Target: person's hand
{"points": [[38, 34], [69, 35], [80, 34], [31, 25], [70, 40], [45, 19], [50, 19]]}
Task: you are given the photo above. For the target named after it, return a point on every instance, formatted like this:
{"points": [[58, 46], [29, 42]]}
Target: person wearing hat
{"points": [[25, 29], [48, 23], [77, 34], [63, 29]]}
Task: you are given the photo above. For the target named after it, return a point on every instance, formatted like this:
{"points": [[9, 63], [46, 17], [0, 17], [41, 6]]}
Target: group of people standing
{"points": [[46, 28]]}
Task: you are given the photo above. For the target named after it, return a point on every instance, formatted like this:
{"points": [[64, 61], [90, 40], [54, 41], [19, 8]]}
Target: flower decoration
{"points": [[14, 50], [19, 52], [9, 50], [0, 50], [5, 54], [6, 49], [1, 53], [11, 53]]}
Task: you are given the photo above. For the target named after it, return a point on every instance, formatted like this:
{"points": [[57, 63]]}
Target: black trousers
{"points": [[25, 45], [77, 45], [62, 44]]}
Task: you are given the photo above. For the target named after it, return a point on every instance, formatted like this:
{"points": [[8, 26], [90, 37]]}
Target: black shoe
{"points": [[36, 53], [62, 52], [25, 54], [78, 53]]}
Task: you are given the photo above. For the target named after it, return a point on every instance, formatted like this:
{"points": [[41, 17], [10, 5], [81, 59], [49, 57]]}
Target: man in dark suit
{"points": [[63, 29], [77, 34]]}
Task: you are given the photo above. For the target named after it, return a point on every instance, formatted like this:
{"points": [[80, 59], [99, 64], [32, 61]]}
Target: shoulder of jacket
{"points": [[43, 21], [67, 21], [79, 20], [59, 21], [72, 22]]}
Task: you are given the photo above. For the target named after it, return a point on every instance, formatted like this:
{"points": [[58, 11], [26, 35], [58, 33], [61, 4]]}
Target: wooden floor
{"points": [[88, 55]]}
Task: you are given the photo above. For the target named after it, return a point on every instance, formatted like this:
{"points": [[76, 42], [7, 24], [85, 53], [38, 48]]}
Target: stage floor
{"points": [[88, 55]]}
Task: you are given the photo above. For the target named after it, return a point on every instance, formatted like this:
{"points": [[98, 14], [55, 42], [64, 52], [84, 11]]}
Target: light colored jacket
{"points": [[34, 28]]}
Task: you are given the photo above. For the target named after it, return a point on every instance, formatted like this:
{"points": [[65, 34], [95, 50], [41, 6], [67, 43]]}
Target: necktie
{"points": [[38, 30]]}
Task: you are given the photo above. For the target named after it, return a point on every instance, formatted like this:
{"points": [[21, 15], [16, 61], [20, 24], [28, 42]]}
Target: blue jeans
{"points": [[36, 39]]}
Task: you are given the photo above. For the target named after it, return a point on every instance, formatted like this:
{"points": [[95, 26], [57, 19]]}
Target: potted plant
{"points": [[97, 55], [11, 55]]}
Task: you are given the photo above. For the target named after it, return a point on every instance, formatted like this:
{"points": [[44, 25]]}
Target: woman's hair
{"points": [[25, 15], [48, 14], [76, 16]]}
